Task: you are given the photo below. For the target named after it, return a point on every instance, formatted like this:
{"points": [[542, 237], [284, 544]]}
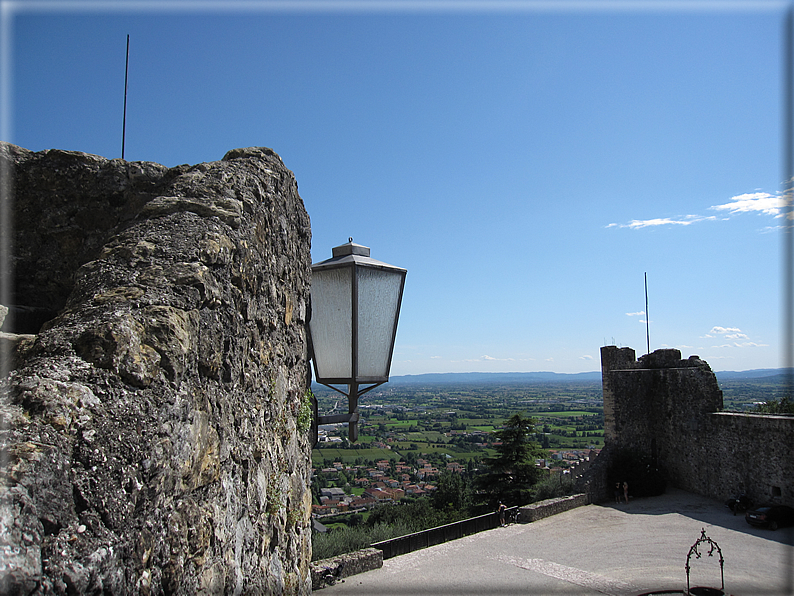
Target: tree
{"points": [[784, 406], [470, 468], [510, 475], [452, 493], [416, 514], [355, 520]]}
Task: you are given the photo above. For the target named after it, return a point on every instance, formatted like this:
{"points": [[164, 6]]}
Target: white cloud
{"points": [[586, 357], [721, 330], [735, 335], [635, 314], [762, 203], [487, 358], [687, 220], [745, 344], [759, 202]]}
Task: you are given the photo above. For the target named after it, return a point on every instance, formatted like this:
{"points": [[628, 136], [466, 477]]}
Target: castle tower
{"points": [[613, 358]]}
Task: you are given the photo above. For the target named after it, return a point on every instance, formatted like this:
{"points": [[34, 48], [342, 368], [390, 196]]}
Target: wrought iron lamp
{"points": [[355, 307]]}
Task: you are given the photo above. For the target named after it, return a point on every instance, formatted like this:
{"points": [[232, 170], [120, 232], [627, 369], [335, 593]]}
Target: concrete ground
{"points": [[619, 550]]}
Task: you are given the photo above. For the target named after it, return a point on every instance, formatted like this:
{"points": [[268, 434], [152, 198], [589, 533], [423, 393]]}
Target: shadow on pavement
{"points": [[704, 509]]}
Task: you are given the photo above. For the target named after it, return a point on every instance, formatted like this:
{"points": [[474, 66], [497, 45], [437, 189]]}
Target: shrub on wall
{"points": [[343, 540], [559, 485], [773, 406]]}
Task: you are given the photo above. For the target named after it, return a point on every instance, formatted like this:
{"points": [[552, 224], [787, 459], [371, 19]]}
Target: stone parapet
{"points": [[549, 507], [344, 566]]}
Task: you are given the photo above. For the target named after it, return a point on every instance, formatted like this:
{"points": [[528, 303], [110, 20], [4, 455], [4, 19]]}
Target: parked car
{"points": [[770, 516]]}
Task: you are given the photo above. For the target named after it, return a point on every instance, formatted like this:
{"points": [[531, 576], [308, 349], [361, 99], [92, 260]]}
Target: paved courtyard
{"points": [[619, 550]]}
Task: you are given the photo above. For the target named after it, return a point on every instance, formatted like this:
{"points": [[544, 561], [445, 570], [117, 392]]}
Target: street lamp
{"points": [[355, 306]]}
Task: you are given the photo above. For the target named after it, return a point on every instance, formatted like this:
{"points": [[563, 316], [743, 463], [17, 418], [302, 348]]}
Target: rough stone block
{"points": [[345, 565], [549, 507], [149, 421]]}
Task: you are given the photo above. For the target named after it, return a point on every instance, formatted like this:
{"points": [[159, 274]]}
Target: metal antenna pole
{"points": [[647, 324], [124, 121], [788, 194], [788, 233]]}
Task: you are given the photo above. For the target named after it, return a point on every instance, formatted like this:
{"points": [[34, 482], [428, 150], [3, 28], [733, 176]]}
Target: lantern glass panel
{"points": [[378, 301], [331, 323]]}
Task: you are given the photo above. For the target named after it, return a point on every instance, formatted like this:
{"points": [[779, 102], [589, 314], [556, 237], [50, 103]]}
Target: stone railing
{"points": [[541, 509], [344, 566], [369, 559], [432, 536]]}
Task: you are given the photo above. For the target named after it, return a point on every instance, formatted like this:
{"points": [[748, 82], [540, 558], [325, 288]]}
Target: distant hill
{"points": [[771, 374], [552, 377], [480, 377], [729, 375]]}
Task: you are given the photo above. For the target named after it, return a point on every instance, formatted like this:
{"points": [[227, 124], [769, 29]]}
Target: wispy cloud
{"points": [[736, 337], [720, 330], [640, 313], [762, 203], [586, 357], [754, 202], [727, 333], [686, 220], [487, 358]]}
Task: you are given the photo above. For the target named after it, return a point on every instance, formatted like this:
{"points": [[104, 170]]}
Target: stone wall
{"points": [[670, 409], [749, 452], [153, 430], [549, 507], [338, 568]]}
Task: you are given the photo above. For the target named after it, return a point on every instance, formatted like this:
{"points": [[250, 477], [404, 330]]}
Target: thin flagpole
{"points": [[647, 324], [124, 121], [788, 190], [788, 237]]}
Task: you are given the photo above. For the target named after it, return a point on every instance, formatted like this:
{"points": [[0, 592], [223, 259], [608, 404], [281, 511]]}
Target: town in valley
{"points": [[411, 433]]}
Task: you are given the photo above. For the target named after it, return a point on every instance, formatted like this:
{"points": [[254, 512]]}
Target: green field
{"points": [[561, 414], [399, 452], [350, 455], [442, 421]]}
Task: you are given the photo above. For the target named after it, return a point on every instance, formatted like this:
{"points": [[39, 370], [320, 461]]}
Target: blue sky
{"points": [[527, 162]]}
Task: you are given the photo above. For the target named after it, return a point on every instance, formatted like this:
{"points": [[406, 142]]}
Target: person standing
{"points": [[502, 509], [626, 491]]}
